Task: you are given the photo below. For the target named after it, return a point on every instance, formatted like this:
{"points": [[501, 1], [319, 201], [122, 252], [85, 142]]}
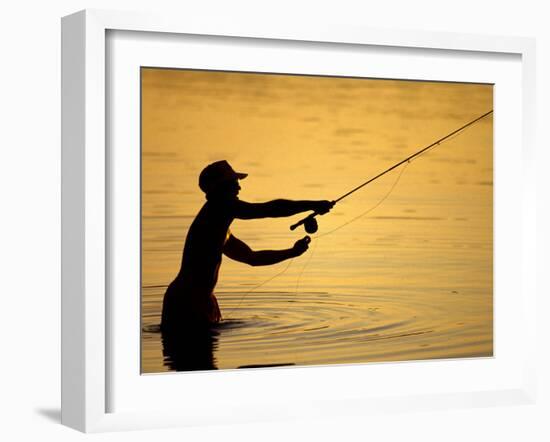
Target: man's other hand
{"points": [[301, 245]]}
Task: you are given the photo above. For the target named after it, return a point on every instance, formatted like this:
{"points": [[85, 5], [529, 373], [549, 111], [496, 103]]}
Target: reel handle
{"points": [[308, 219]]}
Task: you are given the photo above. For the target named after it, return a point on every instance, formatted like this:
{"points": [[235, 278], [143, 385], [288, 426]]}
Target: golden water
{"points": [[411, 280]]}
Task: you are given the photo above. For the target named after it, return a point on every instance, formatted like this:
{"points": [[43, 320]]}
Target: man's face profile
{"points": [[227, 189], [232, 187]]}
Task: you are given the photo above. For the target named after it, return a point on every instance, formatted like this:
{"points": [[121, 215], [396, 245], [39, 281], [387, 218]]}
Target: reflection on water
{"points": [[411, 280], [190, 350]]}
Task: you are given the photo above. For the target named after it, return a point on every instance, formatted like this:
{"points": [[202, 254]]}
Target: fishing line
{"points": [[310, 222], [406, 161], [310, 257], [260, 285]]}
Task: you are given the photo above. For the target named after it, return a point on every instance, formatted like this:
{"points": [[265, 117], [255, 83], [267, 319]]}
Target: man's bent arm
{"points": [[239, 251], [268, 257], [277, 208]]}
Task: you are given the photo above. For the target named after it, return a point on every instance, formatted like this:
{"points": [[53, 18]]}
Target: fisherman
{"points": [[189, 301]]}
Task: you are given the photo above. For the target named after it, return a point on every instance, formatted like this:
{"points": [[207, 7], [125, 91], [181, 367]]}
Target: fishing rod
{"points": [[310, 223]]}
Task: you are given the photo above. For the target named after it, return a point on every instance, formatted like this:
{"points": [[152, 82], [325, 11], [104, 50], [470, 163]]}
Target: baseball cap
{"points": [[216, 173]]}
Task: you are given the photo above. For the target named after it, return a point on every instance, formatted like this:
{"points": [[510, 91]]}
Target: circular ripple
{"points": [[318, 328]]}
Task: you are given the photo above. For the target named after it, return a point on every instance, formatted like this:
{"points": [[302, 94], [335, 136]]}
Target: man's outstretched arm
{"points": [[279, 208], [236, 249]]}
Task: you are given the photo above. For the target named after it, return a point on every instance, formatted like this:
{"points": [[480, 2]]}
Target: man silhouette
{"points": [[189, 301]]}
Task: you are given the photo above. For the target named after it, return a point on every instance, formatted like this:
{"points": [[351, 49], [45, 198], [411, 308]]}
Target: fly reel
{"points": [[309, 222], [310, 225]]}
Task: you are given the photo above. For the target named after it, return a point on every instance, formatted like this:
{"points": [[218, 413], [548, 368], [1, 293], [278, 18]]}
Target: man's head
{"points": [[220, 178]]}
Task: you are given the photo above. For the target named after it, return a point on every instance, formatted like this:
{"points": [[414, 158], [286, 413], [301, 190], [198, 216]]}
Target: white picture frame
{"points": [[87, 360]]}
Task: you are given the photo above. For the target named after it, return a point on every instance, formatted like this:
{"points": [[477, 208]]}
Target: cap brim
{"points": [[241, 175]]}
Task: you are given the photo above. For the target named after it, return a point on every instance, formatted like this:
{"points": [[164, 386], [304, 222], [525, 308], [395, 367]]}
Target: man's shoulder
{"points": [[226, 204]]}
